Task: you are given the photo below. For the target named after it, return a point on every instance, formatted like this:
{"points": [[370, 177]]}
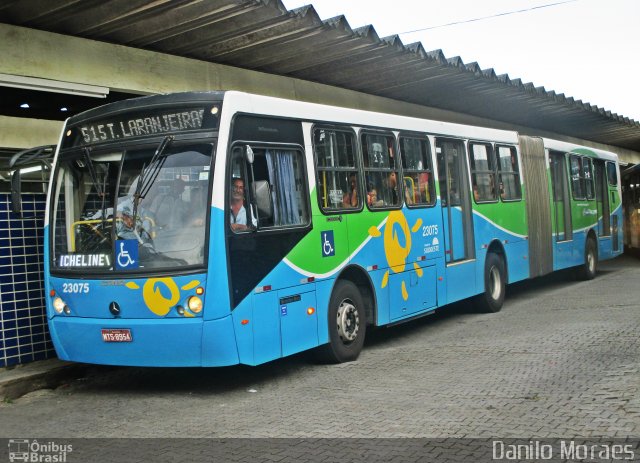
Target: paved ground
{"points": [[561, 359]]}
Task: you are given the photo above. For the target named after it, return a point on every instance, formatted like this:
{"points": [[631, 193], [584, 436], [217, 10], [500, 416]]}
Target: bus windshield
{"points": [[159, 195]]}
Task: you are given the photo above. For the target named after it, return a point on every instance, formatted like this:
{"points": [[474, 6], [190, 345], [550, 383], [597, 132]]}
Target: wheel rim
{"points": [[591, 261], [495, 283], [348, 321]]}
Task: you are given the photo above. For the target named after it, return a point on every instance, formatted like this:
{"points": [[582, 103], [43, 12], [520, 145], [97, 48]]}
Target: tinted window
{"points": [[483, 175], [416, 167], [381, 170], [509, 173], [338, 176]]}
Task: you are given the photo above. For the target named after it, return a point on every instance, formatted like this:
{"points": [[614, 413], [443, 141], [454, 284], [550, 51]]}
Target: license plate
{"points": [[116, 335]]}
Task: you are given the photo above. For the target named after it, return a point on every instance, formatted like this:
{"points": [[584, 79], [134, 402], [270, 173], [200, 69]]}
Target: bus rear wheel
{"points": [[347, 325], [587, 271], [495, 283]]}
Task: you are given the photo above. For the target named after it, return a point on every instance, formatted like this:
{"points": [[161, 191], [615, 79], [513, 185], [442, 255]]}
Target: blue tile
{"points": [[42, 355], [24, 329], [13, 352], [9, 322], [26, 358], [8, 306], [11, 361], [37, 329], [25, 349]]}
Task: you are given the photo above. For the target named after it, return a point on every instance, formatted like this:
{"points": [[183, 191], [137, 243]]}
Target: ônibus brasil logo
{"points": [[41, 452]]}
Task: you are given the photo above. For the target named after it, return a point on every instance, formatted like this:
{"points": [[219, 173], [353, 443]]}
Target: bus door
{"points": [[602, 199], [611, 192], [267, 215], [457, 218], [561, 210]]}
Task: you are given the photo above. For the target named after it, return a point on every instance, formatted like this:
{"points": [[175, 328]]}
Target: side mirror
{"points": [[249, 154], [16, 200], [42, 155]]}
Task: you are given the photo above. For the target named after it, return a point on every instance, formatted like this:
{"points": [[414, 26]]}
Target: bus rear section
{"points": [[574, 211]]}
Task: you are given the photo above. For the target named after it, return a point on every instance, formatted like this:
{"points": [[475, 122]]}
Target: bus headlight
{"points": [[58, 305], [195, 304]]}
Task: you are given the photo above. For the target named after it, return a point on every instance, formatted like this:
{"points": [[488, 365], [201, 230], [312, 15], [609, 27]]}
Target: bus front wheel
{"points": [[495, 283], [347, 325]]}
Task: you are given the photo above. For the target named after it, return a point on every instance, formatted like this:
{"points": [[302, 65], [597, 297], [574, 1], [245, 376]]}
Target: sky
{"points": [[586, 49]]}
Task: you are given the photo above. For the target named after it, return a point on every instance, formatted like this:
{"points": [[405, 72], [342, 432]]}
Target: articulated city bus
{"points": [[210, 229]]}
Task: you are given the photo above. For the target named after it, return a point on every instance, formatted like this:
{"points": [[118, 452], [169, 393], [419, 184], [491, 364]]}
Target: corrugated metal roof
{"points": [[263, 35]]}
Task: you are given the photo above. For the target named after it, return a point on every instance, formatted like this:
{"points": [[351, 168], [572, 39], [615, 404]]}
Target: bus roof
{"points": [[314, 112], [570, 147]]}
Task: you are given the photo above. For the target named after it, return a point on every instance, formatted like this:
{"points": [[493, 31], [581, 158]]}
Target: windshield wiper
{"points": [[100, 188], [148, 174]]}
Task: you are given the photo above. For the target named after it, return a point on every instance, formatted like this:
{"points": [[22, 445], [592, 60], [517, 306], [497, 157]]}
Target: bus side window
{"points": [[483, 172], [577, 178], [612, 173], [381, 171], [509, 173], [418, 175], [277, 184], [587, 170], [338, 177]]}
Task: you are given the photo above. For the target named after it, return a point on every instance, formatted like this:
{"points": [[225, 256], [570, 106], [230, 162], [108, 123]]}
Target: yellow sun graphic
{"points": [[396, 232], [154, 299]]}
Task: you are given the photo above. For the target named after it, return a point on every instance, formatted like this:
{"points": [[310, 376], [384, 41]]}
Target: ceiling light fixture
{"points": [[24, 105]]}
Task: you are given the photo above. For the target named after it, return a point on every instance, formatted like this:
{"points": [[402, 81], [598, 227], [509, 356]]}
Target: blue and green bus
{"points": [[217, 228]]}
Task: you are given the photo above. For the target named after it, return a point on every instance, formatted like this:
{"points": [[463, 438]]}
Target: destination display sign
{"points": [[84, 260], [153, 122]]}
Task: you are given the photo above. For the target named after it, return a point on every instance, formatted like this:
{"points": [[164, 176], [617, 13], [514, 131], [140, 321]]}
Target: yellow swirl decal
{"points": [[154, 297]]}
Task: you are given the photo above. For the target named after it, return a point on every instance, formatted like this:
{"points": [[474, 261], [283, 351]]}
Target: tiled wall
{"points": [[24, 335]]}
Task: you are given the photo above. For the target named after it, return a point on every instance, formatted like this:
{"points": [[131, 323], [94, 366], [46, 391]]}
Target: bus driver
{"points": [[238, 216]]}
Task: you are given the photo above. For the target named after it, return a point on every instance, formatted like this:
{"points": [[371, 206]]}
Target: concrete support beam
{"points": [[23, 133]]}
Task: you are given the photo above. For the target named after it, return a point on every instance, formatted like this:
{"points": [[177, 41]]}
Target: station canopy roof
{"points": [[263, 35]]}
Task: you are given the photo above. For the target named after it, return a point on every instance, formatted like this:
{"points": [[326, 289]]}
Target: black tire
{"points": [[347, 325], [587, 271], [495, 284]]}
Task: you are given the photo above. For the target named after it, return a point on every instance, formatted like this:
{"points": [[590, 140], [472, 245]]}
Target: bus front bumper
{"points": [[164, 342]]}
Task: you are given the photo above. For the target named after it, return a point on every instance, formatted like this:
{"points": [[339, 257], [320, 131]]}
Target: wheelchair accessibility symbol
{"points": [[328, 246], [126, 254]]}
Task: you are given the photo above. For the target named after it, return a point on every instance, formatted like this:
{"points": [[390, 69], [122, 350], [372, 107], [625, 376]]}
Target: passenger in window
{"points": [[169, 208], [392, 182], [409, 190], [350, 199], [454, 196], [196, 214], [238, 217], [372, 196]]}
